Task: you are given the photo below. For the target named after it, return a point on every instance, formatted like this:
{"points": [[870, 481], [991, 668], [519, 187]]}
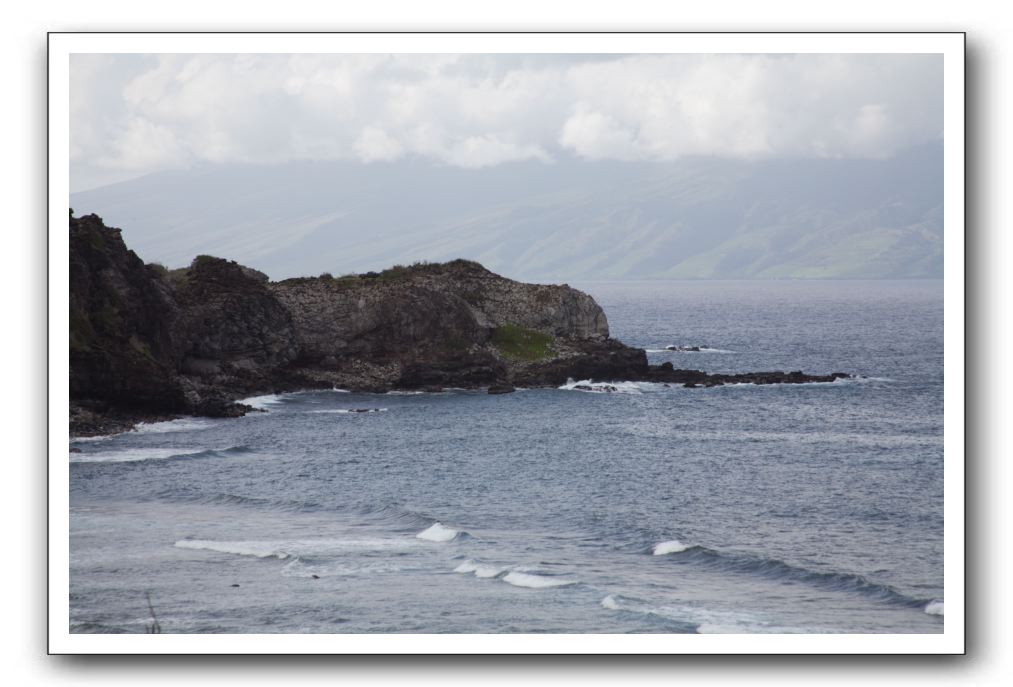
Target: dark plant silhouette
{"points": [[154, 628]]}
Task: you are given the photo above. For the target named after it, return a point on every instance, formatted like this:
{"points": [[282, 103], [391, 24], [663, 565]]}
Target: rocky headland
{"points": [[150, 343]]}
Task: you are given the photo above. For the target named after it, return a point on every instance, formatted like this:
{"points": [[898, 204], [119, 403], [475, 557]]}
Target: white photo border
{"points": [[950, 45]]}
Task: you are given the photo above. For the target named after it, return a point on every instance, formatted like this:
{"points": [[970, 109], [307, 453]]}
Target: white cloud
{"points": [[374, 144], [485, 151], [144, 113], [595, 136]]}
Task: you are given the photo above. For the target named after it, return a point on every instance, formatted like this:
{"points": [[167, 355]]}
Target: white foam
{"points": [[672, 546], [97, 437], [437, 532], [401, 392], [292, 549], [478, 569], [934, 608], [588, 386], [130, 455], [531, 581], [340, 391], [468, 566], [183, 424], [610, 603], [261, 402], [258, 549]]}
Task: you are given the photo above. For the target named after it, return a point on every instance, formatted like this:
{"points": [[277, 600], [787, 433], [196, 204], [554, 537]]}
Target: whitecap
{"points": [[610, 603], [437, 532], [478, 569], [532, 581], [672, 546], [934, 607], [468, 566]]}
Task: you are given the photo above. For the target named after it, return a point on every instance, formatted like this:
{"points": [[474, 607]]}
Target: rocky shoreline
{"points": [[149, 344]]}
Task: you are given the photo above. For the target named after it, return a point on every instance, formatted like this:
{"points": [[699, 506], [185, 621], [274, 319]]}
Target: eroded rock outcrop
{"points": [[146, 342], [452, 324]]}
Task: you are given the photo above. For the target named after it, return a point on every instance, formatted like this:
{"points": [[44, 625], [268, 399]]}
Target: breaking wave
{"points": [[934, 607], [533, 581], [478, 569], [590, 386], [261, 402], [667, 547], [183, 424], [518, 577], [438, 532]]}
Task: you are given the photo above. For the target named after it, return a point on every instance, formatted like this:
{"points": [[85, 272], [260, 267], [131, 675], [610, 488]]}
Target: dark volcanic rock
{"points": [[501, 389], [230, 317], [694, 378], [601, 359], [122, 319]]}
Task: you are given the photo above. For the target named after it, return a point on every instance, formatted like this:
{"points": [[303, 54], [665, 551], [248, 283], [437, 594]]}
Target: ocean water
{"points": [[812, 508]]}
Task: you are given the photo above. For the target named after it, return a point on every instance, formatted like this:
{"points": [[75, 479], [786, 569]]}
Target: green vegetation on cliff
{"points": [[518, 343]]}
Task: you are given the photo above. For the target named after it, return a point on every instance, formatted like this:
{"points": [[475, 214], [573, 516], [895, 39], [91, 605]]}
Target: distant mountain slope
{"points": [[696, 218]]}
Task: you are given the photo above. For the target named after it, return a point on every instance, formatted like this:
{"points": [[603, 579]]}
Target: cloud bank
{"points": [[133, 114]]}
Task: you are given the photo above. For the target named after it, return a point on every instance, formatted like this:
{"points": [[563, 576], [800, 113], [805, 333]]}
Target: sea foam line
{"points": [[132, 455], [349, 411], [294, 548]]}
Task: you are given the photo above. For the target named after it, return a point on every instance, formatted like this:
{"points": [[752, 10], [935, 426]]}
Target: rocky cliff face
{"points": [[431, 324], [146, 342], [122, 319]]}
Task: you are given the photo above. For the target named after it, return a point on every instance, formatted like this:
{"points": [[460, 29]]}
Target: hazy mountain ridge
{"points": [[696, 218]]}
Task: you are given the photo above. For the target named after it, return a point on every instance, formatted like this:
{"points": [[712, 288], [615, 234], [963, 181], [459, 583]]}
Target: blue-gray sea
{"points": [[810, 508]]}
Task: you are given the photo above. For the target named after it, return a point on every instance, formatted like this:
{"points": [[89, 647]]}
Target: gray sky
{"points": [[135, 114]]}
